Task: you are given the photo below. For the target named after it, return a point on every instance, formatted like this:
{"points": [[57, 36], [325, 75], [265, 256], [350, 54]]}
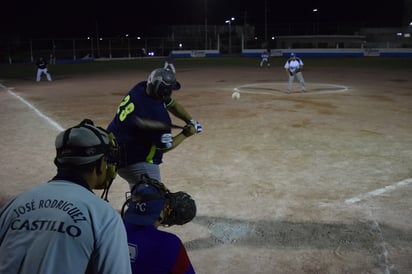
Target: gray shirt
{"points": [[62, 227]]}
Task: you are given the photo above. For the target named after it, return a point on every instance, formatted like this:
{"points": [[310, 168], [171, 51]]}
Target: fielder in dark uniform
{"points": [[152, 250], [41, 68], [143, 148]]}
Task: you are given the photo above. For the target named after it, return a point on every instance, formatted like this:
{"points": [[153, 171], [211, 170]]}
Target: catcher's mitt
{"points": [[180, 209], [294, 73]]}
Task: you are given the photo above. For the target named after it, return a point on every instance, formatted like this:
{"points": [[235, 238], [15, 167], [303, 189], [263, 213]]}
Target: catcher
{"points": [[151, 250], [293, 66], [61, 226]]}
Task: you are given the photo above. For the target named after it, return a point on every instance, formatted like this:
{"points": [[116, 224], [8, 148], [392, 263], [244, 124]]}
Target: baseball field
{"points": [[315, 182]]}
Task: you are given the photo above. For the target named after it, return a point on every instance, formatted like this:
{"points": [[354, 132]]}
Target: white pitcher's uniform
{"points": [[62, 227], [264, 59], [169, 63], [293, 66]]}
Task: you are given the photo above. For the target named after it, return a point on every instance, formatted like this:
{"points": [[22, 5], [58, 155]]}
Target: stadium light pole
{"points": [[128, 45], [229, 22], [91, 45], [266, 25], [316, 21], [97, 39], [205, 24]]}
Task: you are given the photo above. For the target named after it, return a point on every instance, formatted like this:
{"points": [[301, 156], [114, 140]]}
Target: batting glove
{"points": [[198, 127]]}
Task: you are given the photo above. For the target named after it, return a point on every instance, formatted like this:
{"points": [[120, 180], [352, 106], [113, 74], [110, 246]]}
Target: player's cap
{"points": [[145, 205], [81, 144], [292, 54]]}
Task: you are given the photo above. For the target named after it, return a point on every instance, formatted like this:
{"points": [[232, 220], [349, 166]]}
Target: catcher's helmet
{"points": [[161, 83], [150, 197], [145, 204]]}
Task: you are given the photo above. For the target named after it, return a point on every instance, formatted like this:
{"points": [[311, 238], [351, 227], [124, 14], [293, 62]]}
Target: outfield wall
{"points": [[256, 53], [319, 52], [195, 53], [335, 52]]}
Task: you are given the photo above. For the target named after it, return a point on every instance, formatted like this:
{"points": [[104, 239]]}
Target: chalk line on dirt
{"points": [[377, 192], [38, 112], [383, 253], [274, 88]]}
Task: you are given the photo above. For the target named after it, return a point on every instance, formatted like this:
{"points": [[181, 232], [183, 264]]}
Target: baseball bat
{"points": [[176, 126], [153, 124]]}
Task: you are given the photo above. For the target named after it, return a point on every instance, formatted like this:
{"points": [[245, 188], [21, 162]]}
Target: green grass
{"points": [[16, 72]]}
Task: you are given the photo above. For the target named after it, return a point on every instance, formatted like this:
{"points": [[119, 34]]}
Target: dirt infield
{"points": [[315, 182]]}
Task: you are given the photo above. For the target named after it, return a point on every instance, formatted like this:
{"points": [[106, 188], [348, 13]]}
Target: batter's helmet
{"points": [[161, 83]]}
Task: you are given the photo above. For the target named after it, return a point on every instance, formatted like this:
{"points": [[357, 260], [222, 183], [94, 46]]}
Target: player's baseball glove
{"points": [[180, 209]]}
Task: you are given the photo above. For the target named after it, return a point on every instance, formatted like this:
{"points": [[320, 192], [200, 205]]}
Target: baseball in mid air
{"points": [[235, 95]]}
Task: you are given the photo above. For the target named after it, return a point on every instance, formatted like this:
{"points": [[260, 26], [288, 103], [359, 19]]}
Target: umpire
{"points": [[61, 226]]}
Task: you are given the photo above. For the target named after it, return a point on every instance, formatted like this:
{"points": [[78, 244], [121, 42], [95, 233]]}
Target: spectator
{"points": [[52, 59]]}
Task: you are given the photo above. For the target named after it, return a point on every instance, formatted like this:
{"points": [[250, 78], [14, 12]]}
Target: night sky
{"points": [[47, 19]]}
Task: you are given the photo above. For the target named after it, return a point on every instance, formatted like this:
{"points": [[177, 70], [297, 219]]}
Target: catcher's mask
{"points": [[150, 197], [84, 144], [161, 83]]}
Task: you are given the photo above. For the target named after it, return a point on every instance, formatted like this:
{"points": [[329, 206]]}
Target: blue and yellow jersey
{"points": [[141, 144]]}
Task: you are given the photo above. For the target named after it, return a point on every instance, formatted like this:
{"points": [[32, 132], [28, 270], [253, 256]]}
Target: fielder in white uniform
{"points": [[264, 58], [61, 226], [169, 63], [293, 67]]}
